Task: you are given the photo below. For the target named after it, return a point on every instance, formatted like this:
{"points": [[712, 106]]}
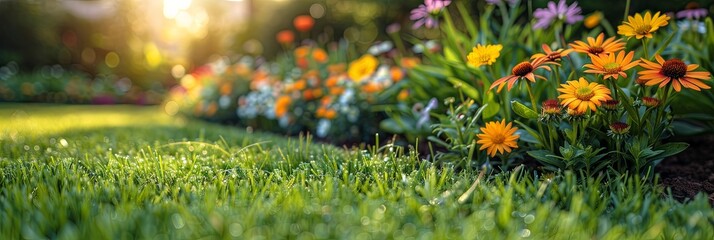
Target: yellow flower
{"points": [[484, 55], [498, 137], [579, 94], [673, 71], [640, 27], [612, 65], [593, 19], [362, 68]]}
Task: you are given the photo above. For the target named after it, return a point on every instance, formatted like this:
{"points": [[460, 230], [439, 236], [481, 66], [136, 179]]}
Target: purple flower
{"points": [[496, 2], [424, 114], [426, 14], [695, 13], [546, 16]]}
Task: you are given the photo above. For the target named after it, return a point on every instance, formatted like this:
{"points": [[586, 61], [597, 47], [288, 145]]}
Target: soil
{"points": [[691, 171]]}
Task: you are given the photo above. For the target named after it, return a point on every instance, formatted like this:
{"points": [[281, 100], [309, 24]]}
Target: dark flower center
{"points": [[522, 69], [596, 50], [498, 138], [674, 68], [643, 29]]}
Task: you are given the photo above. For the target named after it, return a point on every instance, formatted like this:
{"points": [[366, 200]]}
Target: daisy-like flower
{"points": [[498, 137], [592, 20], [599, 45], [551, 56], [484, 55], [692, 11], [362, 68], [612, 65], [427, 14], [640, 27], [546, 16], [521, 71], [579, 95], [673, 71]]}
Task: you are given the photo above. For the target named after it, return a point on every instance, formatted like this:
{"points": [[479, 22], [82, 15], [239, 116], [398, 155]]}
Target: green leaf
{"points": [[547, 158], [671, 149], [390, 125], [523, 111], [469, 90], [492, 108]]}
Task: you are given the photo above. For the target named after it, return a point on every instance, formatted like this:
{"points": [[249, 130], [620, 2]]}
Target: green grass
{"points": [[98, 172]]}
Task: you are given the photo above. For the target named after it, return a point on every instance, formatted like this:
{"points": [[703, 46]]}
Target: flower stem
{"points": [[644, 48], [535, 109], [627, 10]]}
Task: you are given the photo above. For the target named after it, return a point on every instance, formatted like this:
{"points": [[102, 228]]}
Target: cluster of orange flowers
{"points": [[608, 59]]}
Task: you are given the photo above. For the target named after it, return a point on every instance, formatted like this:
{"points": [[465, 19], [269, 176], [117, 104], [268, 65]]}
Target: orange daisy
{"points": [[612, 65], [498, 137], [550, 55], [599, 45], [520, 71], [673, 71], [579, 95]]}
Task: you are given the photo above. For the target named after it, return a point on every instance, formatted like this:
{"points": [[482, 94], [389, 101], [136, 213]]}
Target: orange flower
{"points": [[336, 68], [403, 95], [336, 90], [580, 95], [498, 137], [303, 23], [372, 87], [397, 73], [673, 71], [551, 56], [523, 70], [285, 37], [281, 105], [409, 62], [319, 55], [599, 45], [612, 66]]}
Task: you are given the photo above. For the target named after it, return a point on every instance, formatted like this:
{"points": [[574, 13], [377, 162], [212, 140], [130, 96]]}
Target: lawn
{"points": [[125, 172]]}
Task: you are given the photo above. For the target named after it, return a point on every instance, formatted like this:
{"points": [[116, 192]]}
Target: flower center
{"points": [[484, 58], [584, 93], [596, 50], [611, 68], [522, 69], [643, 29], [498, 139], [674, 68]]}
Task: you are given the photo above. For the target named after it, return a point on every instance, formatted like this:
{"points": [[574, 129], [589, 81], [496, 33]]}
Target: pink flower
{"points": [[426, 14]]}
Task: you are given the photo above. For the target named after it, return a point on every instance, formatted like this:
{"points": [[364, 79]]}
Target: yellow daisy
{"points": [[579, 95], [362, 68], [484, 55], [498, 137], [640, 27]]}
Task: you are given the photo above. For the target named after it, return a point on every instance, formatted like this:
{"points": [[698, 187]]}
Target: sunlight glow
{"points": [[173, 7]]}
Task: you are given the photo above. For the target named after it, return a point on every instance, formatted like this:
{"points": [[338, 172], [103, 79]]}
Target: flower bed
{"points": [[562, 88]]}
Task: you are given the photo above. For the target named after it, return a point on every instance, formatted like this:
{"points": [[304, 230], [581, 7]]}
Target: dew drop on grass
{"points": [[177, 221], [529, 219], [525, 233], [236, 229]]}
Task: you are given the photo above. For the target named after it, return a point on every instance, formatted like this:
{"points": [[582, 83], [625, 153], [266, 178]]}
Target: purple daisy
{"points": [[426, 14], [546, 16], [692, 11]]}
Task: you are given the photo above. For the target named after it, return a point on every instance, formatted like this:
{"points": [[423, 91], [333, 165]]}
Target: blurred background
{"points": [[132, 51]]}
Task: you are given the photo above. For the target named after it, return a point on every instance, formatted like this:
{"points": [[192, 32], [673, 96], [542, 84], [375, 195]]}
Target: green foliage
{"points": [[83, 172]]}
